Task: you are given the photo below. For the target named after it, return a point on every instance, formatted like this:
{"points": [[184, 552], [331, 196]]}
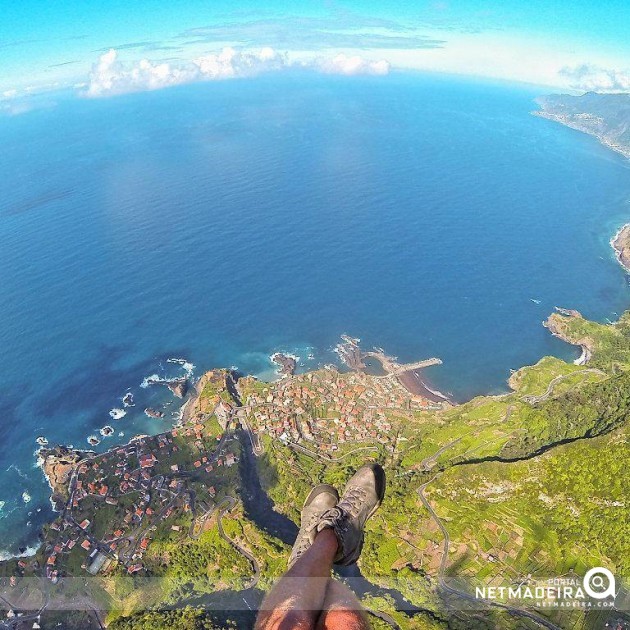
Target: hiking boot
{"points": [[321, 499], [361, 498]]}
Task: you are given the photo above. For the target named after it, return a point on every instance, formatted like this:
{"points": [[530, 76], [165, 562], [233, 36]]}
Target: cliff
{"points": [[58, 464], [621, 245], [605, 116]]}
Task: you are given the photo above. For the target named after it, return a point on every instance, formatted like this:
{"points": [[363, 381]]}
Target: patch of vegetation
{"points": [[559, 512], [609, 343], [534, 379], [530, 482], [179, 619]]}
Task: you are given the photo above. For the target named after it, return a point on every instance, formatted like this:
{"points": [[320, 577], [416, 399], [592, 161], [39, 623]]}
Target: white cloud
{"points": [[343, 64], [110, 75], [230, 63], [592, 78]]}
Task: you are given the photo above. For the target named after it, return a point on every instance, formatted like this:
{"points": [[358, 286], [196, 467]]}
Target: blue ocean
{"points": [[221, 222]]}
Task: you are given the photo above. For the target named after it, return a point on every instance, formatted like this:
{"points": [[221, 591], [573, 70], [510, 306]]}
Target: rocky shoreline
{"points": [[588, 125], [556, 324], [58, 464], [286, 362], [178, 387], [621, 244]]}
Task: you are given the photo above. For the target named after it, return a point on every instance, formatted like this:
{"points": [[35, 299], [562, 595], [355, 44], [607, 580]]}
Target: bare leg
{"points": [[306, 592], [342, 610], [297, 599]]}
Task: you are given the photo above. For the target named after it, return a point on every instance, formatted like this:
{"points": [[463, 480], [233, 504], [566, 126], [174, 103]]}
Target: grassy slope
{"points": [[562, 509], [610, 343], [559, 510]]}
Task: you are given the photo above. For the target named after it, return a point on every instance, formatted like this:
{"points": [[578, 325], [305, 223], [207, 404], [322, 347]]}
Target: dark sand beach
{"points": [[412, 380]]}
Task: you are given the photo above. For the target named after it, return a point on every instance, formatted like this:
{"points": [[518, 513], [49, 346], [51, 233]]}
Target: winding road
{"points": [[327, 458], [463, 594], [431, 459], [533, 399], [227, 504]]}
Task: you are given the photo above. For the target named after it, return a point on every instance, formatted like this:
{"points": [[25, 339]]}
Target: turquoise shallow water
{"points": [[220, 222]]}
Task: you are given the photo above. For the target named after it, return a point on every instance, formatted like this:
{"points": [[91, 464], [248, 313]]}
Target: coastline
{"points": [[556, 324], [408, 375], [417, 385], [620, 243], [564, 120], [350, 355], [58, 464]]}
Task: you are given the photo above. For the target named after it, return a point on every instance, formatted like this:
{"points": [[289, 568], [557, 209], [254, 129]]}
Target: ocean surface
{"points": [[220, 222]]}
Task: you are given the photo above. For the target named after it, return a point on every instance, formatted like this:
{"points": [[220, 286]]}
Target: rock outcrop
{"points": [[286, 362], [153, 413], [621, 245], [58, 464], [179, 387], [557, 324]]}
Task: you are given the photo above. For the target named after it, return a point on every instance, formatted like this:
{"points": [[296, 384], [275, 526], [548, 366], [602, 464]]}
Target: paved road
{"points": [[326, 458], [427, 460], [532, 400], [227, 504], [200, 522], [463, 594]]}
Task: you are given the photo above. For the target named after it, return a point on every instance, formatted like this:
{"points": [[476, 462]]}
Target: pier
{"points": [[396, 369]]}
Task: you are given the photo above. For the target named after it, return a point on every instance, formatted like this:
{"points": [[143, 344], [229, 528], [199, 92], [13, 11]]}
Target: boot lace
{"points": [[353, 500]]}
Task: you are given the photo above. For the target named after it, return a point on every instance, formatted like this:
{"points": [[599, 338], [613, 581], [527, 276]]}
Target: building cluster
{"points": [[328, 408], [118, 499], [146, 482]]}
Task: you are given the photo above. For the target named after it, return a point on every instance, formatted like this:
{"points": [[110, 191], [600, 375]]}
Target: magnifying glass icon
{"points": [[598, 581]]}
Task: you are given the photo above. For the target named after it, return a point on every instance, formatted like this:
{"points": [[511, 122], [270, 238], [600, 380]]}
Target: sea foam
{"points": [[27, 553]]}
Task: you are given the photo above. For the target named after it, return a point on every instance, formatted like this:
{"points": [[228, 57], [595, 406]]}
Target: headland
{"points": [[621, 244], [604, 116]]}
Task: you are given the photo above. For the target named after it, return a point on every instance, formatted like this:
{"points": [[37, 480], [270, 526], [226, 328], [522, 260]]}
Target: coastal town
{"points": [[111, 506], [192, 504], [326, 408]]}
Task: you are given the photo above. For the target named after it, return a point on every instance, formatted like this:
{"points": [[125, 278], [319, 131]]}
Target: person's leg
{"points": [[331, 531], [342, 610], [296, 600]]}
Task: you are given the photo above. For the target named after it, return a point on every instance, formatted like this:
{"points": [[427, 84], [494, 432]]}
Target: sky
{"points": [[96, 48]]}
